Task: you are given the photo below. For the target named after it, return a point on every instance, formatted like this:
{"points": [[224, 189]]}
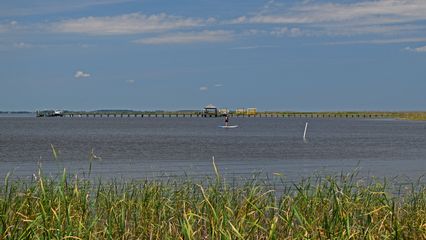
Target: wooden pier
{"points": [[232, 115]]}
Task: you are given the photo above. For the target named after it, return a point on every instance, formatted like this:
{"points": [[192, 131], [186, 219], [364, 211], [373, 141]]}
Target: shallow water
{"points": [[140, 148]]}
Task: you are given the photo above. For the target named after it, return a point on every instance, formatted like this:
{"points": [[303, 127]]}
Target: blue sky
{"points": [[312, 55]]}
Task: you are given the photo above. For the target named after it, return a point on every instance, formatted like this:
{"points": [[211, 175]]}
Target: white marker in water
{"points": [[304, 133]]}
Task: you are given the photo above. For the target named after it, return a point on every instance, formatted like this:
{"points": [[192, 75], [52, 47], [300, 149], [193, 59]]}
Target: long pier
{"points": [[233, 115]]}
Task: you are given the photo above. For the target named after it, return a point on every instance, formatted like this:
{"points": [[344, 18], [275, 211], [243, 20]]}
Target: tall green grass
{"points": [[322, 208]]}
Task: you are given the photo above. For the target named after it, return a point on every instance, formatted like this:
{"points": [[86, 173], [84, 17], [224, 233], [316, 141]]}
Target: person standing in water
{"points": [[226, 120]]}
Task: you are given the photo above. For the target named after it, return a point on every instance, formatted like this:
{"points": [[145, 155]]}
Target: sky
{"points": [[286, 55]]}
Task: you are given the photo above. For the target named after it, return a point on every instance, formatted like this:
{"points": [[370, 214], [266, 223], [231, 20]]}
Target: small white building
{"points": [[223, 111]]}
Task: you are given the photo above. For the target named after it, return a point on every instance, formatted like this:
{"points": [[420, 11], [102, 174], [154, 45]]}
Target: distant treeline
{"points": [[15, 112]]}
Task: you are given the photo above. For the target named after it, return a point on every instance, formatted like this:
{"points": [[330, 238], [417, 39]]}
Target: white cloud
{"points": [[204, 88], [130, 81], [292, 32], [84, 45], [8, 26], [81, 74], [380, 41], [253, 32], [418, 49], [239, 20], [22, 45], [211, 20], [127, 24], [381, 11], [381, 16], [52, 6], [390, 18], [218, 85], [385, 30], [188, 37], [253, 47]]}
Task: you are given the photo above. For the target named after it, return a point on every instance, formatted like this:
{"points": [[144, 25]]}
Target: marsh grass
{"points": [[341, 207]]}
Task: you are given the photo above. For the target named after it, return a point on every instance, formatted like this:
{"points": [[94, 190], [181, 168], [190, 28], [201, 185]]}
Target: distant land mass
{"points": [[403, 115], [113, 110], [15, 112]]}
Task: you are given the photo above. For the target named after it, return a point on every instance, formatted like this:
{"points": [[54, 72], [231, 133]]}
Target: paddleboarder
{"points": [[226, 120]]}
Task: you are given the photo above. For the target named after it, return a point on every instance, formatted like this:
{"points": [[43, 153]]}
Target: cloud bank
{"points": [[381, 11], [386, 20], [127, 24], [364, 17], [188, 37], [381, 41]]}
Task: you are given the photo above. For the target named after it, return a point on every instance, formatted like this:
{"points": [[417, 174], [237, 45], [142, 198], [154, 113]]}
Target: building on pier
{"points": [[251, 111], [210, 111], [50, 113]]}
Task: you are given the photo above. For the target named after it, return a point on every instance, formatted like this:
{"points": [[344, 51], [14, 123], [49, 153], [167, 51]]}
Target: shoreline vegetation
{"points": [[343, 207], [414, 116]]}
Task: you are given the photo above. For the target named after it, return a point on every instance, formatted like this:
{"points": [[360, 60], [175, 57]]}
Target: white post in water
{"points": [[304, 133]]}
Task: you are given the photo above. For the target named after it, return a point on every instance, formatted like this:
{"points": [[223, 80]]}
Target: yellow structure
{"points": [[240, 111], [251, 111]]}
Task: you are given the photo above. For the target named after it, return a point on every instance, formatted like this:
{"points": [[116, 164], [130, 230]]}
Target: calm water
{"points": [[160, 147]]}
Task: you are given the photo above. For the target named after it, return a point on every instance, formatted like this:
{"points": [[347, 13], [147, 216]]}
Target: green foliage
{"points": [[323, 208]]}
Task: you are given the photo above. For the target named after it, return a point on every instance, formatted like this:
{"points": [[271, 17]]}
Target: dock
{"points": [[95, 114]]}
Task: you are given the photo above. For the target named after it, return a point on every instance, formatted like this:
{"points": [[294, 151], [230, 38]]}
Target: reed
{"points": [[343, 207]]}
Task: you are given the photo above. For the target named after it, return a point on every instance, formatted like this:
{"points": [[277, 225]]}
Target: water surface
{"points": [[159, 147]]}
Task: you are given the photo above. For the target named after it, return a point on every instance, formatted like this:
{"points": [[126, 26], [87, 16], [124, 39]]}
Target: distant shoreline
{"points": [[402, 115], [16, 112]]}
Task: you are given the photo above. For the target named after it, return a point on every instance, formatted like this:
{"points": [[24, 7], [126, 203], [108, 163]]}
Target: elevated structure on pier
{"points": [[50, 113], [210, 111]]}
